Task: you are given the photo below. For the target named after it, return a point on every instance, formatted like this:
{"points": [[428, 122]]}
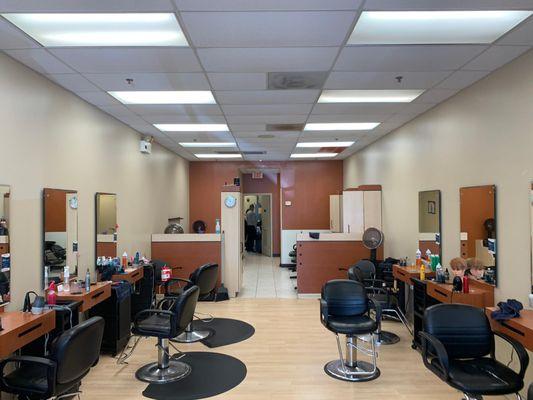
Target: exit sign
{"points": [[257, 175]]}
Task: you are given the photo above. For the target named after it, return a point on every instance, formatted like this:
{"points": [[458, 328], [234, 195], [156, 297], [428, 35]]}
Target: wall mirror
{"points": [[106, 224], [531, 227], [60, 232], [478, 227], [5, 272], [429, 222]]}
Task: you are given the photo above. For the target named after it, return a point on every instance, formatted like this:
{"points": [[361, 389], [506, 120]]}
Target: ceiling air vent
{"points": [[266, 136], [253, 153], [285, 127], [296, 80], [226, 152]]}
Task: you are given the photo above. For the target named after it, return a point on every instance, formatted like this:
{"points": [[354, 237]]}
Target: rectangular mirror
{"points": [[106, 224], [5, 272], [429, 221], [478, 229], [60, 231]]}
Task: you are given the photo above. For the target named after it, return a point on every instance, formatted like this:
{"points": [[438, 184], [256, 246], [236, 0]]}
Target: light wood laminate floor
{"points": [[285, 360]]}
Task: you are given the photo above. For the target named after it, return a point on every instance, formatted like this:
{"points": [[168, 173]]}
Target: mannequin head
{"points": [[475, 268], [458, 266]]}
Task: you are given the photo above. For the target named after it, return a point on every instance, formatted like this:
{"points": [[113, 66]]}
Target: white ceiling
{"points": [[236, 43]]}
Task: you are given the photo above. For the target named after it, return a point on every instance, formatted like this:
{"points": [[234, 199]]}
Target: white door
{"points": [[335, 213], [265, 211], [352, 211]]}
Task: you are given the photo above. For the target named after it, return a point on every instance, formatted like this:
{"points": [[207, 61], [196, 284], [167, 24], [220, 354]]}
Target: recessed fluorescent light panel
{"points": [[210, 155], [313, 155], [369, 96], [165, 97], [317, 145], [208, 144], [341, 126], [126, 29], [434, 27], [192, 127]]}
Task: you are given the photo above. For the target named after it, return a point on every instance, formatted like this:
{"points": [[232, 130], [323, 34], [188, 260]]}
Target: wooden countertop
{"points": [[478, 295], [520, 329], [329, 237], [405, 274], [21, 328], [99, 292], [186, 237], [131, 275]]}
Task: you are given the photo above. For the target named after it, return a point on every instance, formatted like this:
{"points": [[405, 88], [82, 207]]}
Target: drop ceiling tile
{"points": [[267, 29], [384, 80], [389, 5], [304, 96], [184, 119], [12, 38], [461, 79], [147, 81], [406, 58], [332, 135], [73, 82], [356, 108], [85, 6], [199, 136], [266, 119], [433, 96], [40, 60], [147, 129], [522, 35], [362, 117], [267, 59], [267, 109], [120, 60], [117, 110], [130, 120], [271, 135], [415, 108], [495, 57], [247, 127], [238, 81], [98, 98], [175, 109], [266, 5]]}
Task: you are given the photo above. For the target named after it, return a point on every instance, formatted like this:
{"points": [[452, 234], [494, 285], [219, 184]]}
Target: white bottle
{"points": [[46, 273], [66, 279], [217, 226], [428, 254]]}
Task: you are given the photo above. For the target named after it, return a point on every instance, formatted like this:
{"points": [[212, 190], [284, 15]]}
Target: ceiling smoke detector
{"points": [[285, 127], [253, 152], [296, 80]]}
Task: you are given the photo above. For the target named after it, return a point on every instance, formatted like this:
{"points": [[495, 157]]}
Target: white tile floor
{"points": [[263, 278]]}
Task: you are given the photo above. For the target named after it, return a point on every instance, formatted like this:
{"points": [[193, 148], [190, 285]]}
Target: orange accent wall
{"points": [[307, 184], [55, 214]]}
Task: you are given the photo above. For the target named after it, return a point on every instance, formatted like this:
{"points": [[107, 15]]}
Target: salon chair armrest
{"points": [[519, 349], [50, 365], [172, 281], [442, 355], [374, 305]]}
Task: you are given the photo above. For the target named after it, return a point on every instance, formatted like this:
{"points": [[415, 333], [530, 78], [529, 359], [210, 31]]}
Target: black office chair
{"points": [[345, 309], [458, 347], [206, 278], [60, 373], [166, 322]]}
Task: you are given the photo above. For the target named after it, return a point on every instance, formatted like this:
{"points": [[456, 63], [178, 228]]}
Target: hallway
{"points": [[263, 278]]}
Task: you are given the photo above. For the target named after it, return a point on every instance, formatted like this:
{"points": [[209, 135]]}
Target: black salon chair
{"points": [[345, 309], [458, 347], [143, 296], [364, 271], [530, 392], [167, 321], [59, 374], [206, 278]]}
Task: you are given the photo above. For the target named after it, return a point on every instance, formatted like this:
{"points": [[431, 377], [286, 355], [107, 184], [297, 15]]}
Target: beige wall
{"points": [[483, 135], [51, 138]]}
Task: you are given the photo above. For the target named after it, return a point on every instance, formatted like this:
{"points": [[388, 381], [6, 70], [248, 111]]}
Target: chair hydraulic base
{"points": [[191, 336], [350, 368], [387, 338], [164, 370], [479, 397]]}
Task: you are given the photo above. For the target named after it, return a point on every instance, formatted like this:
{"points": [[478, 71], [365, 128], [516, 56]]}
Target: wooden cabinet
{"points": [[372, 209], [335, 213], [352, 212]]}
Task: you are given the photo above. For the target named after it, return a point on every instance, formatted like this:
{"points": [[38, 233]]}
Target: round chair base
{"points": [[362, 373], [191, 337], [387, 338], [151, 373]]}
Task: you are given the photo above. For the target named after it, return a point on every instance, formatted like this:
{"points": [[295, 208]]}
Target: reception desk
{"points": [[327, 258], [185, 252]]}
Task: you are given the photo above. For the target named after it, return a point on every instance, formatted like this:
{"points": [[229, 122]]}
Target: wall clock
{"points": [[230, 201]]}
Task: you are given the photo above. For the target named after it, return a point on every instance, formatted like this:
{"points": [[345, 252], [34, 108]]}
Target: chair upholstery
{"points": [[345, 307], [205, 277], [71, 357], [458, 346]]}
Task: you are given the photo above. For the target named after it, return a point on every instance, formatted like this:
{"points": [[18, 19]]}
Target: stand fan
{"points": [[372, 239]]}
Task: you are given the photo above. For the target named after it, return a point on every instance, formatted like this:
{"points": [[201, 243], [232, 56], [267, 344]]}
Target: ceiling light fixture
{"points": [[208, 144], [434, 27], [164, 97], [324, 144], [341, 126], [100, 29], [209, 155], [192, 127], [313, 155], [369, 96]]}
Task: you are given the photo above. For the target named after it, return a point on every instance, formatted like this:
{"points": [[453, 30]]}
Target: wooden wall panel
{"points": [[55, 211], [477, 205], [106, 249], [424, 245], [320, 261]]}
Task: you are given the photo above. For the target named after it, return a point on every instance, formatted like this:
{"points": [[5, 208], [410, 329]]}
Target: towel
{"points": [[507, 310]]}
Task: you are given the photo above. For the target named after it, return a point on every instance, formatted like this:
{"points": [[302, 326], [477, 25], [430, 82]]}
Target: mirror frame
{"points": [[2, 302], [440, 219], [96, 196]]}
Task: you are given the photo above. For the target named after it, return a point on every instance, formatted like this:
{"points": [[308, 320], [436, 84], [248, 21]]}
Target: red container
{"points": [[466, 287]]}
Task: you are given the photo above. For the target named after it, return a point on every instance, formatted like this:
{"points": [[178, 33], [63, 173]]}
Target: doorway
{"points": [[260, 240]]}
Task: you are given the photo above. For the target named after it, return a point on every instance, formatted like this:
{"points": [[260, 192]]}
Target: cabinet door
{"points": [[372, 209], [335, 213], [352, 212]]}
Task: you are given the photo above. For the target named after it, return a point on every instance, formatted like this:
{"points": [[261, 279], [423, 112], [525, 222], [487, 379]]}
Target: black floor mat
{"points": [[224, 331], [212, 374]]}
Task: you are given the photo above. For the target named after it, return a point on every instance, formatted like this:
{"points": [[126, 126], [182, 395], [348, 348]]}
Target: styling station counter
{"points": [[327, 258], [185, 252]]}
